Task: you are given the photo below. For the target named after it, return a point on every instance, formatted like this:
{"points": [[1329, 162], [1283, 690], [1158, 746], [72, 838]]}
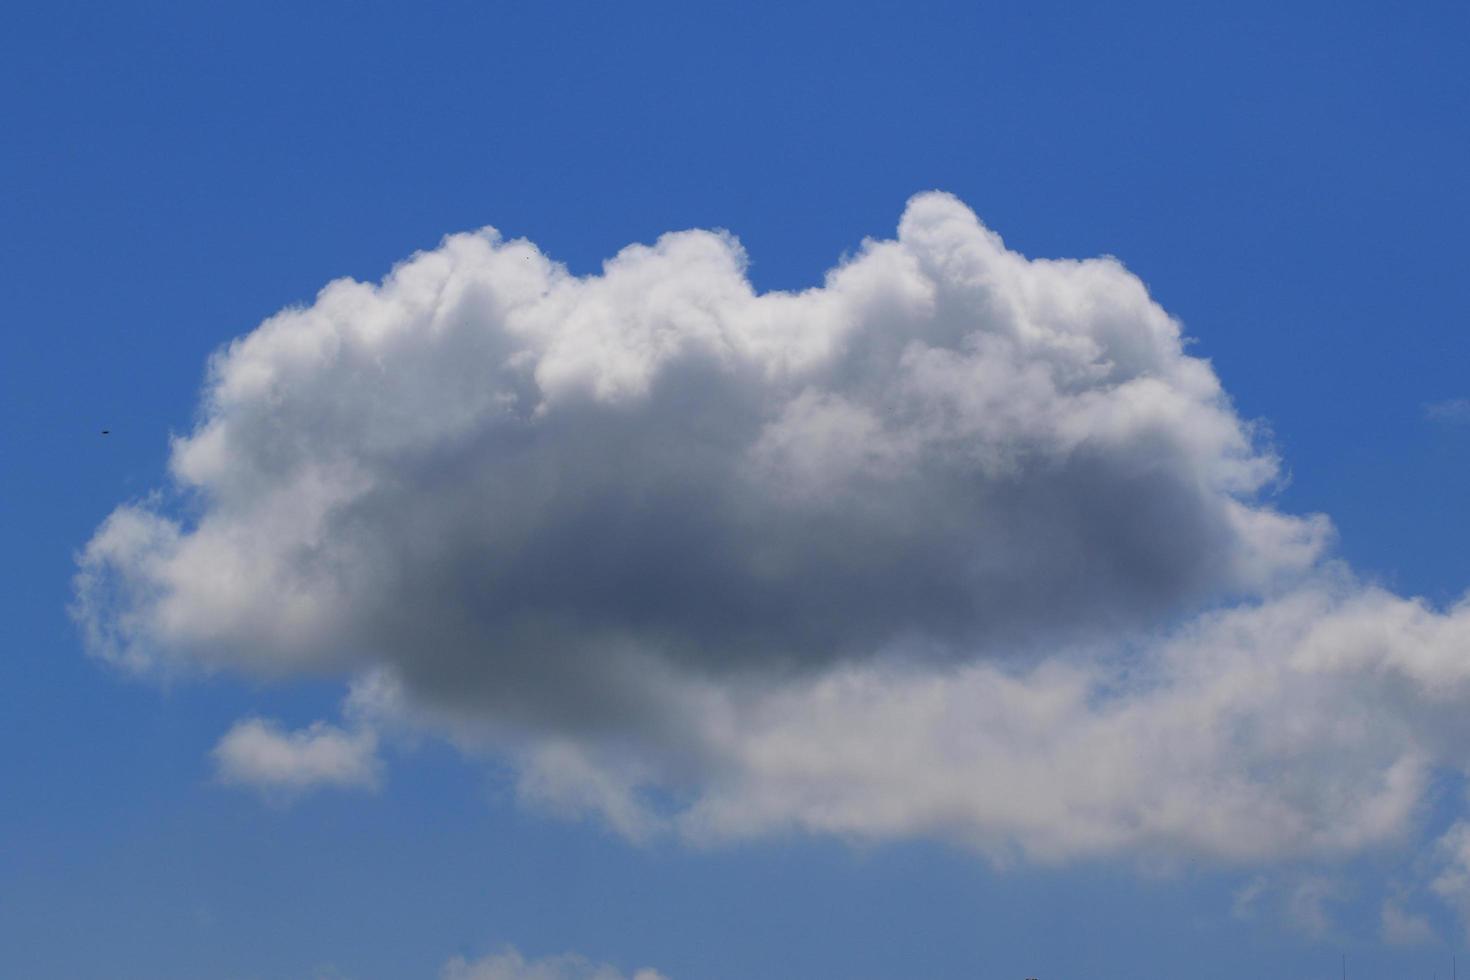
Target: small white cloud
{"points": [[259, 753], [509, 964], [497, 478]]}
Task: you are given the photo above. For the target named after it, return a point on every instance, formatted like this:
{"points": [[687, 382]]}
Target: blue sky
{"points": [[1288, 184]]}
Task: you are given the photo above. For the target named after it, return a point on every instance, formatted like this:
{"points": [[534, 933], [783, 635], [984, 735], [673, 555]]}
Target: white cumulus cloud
{"points": [[958, 544], [514, 485], [1400, 927], [261, 754]]}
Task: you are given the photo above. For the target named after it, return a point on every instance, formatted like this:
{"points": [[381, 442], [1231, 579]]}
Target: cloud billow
{"points": [[959, 545]]}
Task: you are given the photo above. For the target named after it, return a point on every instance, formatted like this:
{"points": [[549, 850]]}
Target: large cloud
{"points": [[959, 545], [524, 491]]}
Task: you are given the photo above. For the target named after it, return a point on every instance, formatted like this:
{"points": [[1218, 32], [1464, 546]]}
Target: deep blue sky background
{"points": [[1291, 183]]}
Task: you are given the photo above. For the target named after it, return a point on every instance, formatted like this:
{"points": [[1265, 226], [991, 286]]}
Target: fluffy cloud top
{"points": [[260, 754], [959, 544]]}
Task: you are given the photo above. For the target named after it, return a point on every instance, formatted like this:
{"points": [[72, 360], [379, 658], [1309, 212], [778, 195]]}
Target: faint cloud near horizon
{"points": [[1453, 410], [509, 964]]}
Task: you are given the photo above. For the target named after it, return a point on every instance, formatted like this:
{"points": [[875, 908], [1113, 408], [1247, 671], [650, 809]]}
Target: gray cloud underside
{"points": [[505, 481], [1309, 727]]}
